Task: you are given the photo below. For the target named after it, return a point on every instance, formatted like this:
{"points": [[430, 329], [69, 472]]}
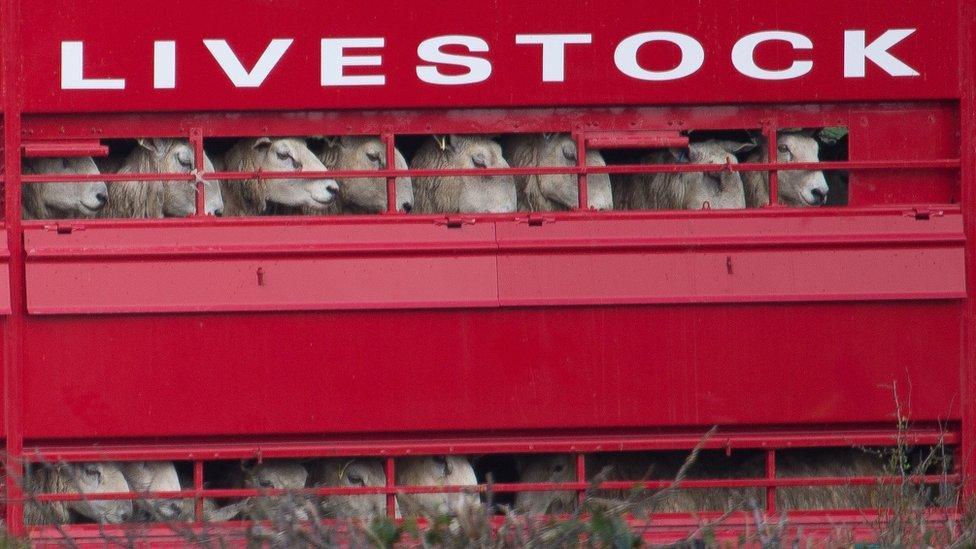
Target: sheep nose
{"points": [[125, 516], [101, 197], [407, 207], [820, 195], [219, 212]]}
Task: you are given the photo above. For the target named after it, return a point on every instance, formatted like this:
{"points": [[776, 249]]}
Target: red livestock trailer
{"points": [[204, 339]]}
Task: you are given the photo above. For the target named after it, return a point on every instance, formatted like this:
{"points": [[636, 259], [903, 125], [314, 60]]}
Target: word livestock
{"points": [[457, 60]]}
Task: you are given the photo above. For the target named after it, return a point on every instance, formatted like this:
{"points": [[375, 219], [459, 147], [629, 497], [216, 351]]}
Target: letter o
{"points": [[692, 56]]}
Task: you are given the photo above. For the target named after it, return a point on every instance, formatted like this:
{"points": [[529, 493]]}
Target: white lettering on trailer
{"points": [[692, 56], [744, 55], [553, 51], [479, 69], [334, 60], [856, 53], [164, 65], [73, 71], [232, 67]]}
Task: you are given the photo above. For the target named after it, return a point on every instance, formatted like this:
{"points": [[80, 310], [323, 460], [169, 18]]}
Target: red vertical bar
{"points": [[770, 475], [391, 199], [390, 485], [773, 145], [16, 323], [196, 138], [198, 489], [581, 476], [581, 163], [967, 181]]}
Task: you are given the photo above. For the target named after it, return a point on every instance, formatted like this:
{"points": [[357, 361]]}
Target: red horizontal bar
{"points": [[687, 484], [612, 169], [461, 445], [636, 140], [59, 149]]}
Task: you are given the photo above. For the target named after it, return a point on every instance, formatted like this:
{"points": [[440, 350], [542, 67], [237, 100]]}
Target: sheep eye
{"points": [[373, 156], [265, 484], [569, 153], [479, 161], [783, 149], [92, 472], [282, 155], [356, 479]]}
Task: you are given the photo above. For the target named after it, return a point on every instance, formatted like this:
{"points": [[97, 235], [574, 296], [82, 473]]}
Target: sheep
{"points": [[436, 471], [834, 462], [89, 479], [271, 475], [351, 473], [467, 194], [156, 199], [161, 476], [549, 193], [255, 196], [795, 188], [62, 200], [689, 190], [560, 468]]}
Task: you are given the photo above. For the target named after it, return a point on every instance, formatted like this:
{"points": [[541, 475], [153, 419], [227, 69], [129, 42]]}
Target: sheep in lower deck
{"points": [[560, 468], [436, 471], [834, 462], [89, 479], [350, 473], [156, 199], [557, 192], [256, 196], [795, 188], [62, 200], [463, 193], [271, 475], [161, 476], [688, 190]]}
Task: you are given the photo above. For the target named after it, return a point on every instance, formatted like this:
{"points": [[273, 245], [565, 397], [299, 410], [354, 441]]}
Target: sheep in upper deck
{"points": [[360, 195], [77, 478], [688, 190], [548, 193], [795, 188], [155, 199], [62, 200], [350, 473], [436, 471], [462, 193], [255, 196]]}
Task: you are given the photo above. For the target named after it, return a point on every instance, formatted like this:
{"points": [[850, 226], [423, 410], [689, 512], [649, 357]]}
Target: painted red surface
{"points": [[171, 338]]}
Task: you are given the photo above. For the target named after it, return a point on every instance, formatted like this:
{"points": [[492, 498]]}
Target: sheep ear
{"points": [[262, 144], [332, 142], [151, 145], [736, 146], [454, 141]]}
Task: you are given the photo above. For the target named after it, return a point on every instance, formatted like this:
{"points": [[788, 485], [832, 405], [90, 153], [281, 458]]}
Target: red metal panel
{"points": [[877, 135], [334, 266], [494, 369], [591, 76], [719, 260]]}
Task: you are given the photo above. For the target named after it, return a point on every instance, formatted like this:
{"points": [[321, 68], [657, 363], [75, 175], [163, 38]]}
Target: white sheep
{"points": [[161, 476], [436, 471], [89, 479], [462, 194], [795, 188], [549, 193], [351, 473], [688, 190], [255, 196], [62, 200], [283, 474], [155, 199]]}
